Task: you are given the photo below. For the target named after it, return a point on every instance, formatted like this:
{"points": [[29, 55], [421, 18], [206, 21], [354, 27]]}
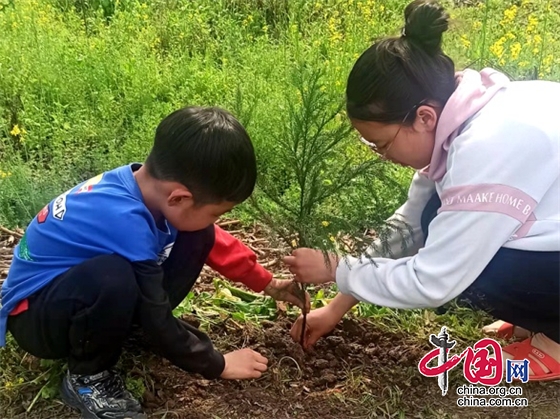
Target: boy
{"points": [[125, 248]]}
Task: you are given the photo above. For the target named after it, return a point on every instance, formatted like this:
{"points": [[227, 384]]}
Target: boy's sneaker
{"points": [[100, 396]]}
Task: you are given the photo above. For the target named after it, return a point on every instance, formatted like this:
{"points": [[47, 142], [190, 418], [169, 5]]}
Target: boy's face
{"points": [[182, 213]]}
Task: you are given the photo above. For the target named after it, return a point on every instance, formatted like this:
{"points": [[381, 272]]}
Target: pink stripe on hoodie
{"points": [[474, 90]]}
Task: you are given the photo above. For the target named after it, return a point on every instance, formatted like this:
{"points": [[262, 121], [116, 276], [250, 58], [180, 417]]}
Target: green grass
{"points": [[83, 84]]}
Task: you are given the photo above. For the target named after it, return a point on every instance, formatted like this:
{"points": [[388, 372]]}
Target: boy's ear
{"points": [[180, 196]]}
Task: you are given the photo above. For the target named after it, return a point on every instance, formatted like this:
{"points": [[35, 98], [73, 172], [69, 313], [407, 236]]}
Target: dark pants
{"points": [[519, 287], [85, 314]]}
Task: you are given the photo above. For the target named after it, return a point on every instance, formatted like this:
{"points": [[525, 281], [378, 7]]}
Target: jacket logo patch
{"points": [[42, 216], [89, 184], [59, 207]]}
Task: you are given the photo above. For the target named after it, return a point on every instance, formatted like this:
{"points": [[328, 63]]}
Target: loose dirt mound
{"points": [[356, 372], [298, 384]]}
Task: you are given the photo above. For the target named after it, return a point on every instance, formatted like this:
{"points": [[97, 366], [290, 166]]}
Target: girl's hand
{"points": [[319, 323], [309, 266]]}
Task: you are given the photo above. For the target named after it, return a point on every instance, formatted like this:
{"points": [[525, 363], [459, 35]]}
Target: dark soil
{"points": [[356, 372]]}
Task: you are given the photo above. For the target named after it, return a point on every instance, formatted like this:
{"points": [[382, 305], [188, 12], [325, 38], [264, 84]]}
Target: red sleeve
{"points": [[231, 258]]}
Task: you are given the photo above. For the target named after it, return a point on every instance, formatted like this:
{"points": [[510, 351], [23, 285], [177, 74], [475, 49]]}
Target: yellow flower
{"points": [[335, 37], [466, 43], [477, 25], [515, 49], [523, 64], [333, 29], [498, 47], [537, 39], [15, 131], [547, 64], [5, 174], [548, 60], [532, 23], [325, 223], [510, 14]]}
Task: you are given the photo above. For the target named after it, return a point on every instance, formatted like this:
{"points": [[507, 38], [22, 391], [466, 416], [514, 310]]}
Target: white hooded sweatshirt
{"points": [[496, 169]]}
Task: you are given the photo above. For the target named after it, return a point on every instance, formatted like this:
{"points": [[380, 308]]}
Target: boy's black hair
{"points": [[395, 75], [208, 151]]}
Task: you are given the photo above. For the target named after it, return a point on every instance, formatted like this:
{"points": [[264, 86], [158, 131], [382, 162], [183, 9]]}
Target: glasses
{"points": [[382, 151]]}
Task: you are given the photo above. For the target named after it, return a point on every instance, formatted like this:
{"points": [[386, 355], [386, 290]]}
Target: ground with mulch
{"points": [[358, 371]]}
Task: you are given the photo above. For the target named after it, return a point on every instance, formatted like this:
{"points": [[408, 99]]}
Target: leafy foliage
{"points": [[310, 163]]}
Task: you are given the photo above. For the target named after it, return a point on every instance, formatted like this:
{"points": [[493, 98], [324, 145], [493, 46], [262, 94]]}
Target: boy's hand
{"points": [[244, 364], [288, 291], [308, 266], [319, 323]]}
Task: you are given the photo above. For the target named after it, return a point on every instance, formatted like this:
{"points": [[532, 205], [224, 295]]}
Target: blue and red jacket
{"points": [[107, 215]]}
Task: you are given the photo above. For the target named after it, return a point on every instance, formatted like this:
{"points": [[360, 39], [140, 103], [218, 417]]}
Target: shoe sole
{"points": [[69, 398]]}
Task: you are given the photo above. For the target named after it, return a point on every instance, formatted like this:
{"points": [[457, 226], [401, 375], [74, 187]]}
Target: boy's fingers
{"points": [[258, 357], [261, 359], [289, 260], [260, 367], [295, 301]]}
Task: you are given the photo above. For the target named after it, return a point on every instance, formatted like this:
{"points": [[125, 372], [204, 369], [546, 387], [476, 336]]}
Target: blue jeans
{"points": [[517, 286]]}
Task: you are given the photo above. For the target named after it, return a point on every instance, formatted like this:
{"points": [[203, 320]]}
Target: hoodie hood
{"points": [[474, 90]]}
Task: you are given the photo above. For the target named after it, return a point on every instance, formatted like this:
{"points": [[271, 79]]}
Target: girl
{"points": [[484, 206]]}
